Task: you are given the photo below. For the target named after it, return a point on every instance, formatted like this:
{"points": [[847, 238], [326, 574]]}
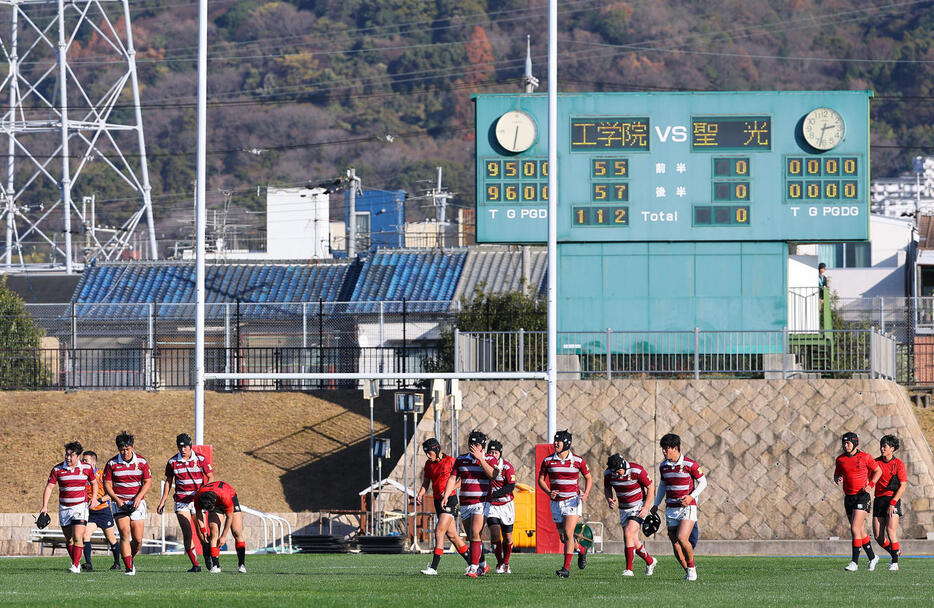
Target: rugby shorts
{"points": [[479, 508], [450, 506], [675, 515], [880, 507], [138, 515], [102, 518], [626, 514], [185, 507], [506, 514], [562, 508], [857, 502], [73, 515]]}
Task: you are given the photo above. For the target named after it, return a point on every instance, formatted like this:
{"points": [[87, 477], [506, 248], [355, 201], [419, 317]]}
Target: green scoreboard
{"points": [[650, 167]]}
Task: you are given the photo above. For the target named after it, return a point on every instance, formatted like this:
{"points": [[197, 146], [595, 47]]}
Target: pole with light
{"points": [[414, 404], [371, 392]]}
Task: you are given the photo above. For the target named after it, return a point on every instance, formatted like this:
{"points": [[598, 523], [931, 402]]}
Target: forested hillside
{"points": [[301, 89]]}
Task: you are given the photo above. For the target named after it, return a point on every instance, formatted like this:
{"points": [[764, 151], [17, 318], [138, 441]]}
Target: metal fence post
{"points": [[784, 353], [304, 340], [74, 345], [382, 338], [227, 343], [872, 353], [882, 312], [151, 344], [457, 350], [609, 354], [521, 349], [696, 353]]}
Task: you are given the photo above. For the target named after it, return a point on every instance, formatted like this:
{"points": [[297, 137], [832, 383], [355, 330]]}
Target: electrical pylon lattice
{"points": [[74, 132]]}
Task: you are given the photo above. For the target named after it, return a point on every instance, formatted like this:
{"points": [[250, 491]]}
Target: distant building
{"points": [[899, 196], [380, 219]]}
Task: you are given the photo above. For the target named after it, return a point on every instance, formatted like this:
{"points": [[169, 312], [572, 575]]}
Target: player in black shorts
{"points": [[887, 508], [100, 517]]}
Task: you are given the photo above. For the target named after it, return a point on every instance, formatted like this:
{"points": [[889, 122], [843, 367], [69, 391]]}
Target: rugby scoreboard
{"points": [[724, 166]]}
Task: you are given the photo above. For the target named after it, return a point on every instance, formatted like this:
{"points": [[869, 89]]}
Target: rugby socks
{"points": [[193, 556], [241, 552], [894, 550], [691, 564], [630, 556], [74, 552], [567, 560], [436, 558], [867, 547], [498, 552], [215, 557], [641, 552], [507, 551], [128, 562], [476, 548], [115, 549], [87, 553], [464, 552]]}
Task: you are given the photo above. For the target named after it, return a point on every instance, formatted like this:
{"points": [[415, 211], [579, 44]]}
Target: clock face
{"points": [[516, 131], [823, 128]]}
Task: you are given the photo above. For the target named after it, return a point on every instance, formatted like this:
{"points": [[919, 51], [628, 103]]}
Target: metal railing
{"points": [[748, 354]]}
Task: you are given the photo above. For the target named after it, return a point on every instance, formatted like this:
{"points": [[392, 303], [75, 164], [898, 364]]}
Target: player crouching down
{"points": [[219, 498], [632, 486]]}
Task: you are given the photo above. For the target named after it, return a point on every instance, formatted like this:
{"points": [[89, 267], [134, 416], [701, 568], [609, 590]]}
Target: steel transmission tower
{"points": [[74, 132]]}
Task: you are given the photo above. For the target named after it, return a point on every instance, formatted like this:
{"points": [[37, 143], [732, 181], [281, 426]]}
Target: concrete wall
{"points": [[767, 446]]}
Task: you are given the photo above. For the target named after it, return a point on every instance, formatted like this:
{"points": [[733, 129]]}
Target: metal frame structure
{"points": [[59, 120]]}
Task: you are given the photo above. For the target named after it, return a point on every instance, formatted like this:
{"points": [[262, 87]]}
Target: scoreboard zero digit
{"points": [[734, 166]]}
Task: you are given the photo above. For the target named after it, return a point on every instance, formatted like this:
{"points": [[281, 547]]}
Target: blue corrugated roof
{"points": [[425, 279], [173, 282]]}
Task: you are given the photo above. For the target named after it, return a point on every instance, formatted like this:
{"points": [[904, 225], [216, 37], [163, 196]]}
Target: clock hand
{"points": [[516, 138]]}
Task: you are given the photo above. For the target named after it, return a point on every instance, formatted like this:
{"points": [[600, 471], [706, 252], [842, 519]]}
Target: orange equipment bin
{"points": [[523, 532]]}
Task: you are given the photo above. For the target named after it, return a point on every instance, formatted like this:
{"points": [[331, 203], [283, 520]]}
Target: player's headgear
{"points": [[207, 501], [477, 437], [124, 439], [183, 439], [851, 437], [616, 462], [495, 445], [431, 445], [651, 524], [891, 440], [564, 437]]}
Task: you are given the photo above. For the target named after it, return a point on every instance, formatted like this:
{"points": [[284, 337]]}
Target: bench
{"points": [[55, 539]]}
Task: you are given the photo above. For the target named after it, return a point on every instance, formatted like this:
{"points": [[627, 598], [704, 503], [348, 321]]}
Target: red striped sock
{"points": [[630, 556], [641, 552], [193, 556]]}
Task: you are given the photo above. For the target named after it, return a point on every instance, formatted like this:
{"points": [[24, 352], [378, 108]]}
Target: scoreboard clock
{"points": [[726, 166]]}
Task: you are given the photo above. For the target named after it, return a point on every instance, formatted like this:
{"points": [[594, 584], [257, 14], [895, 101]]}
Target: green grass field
{"points": [[389, 581]]}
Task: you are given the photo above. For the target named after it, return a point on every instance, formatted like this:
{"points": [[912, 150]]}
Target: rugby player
{"points": [[215, 499], [437, 472], [559, 477], [631, 485], [681, 481], [72, 476], [888, 506], [99, 516], [127, 479], [188, 471], [852, 472], [474, 485], [502, 513]]}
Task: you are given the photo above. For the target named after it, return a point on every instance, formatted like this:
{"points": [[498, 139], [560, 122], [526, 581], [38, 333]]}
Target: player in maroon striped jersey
{"points": [[127, 479], [681, 482], [852, 472], [631, 485], [559, 477], [72, 477], [468, 475], [437, 472], [888, 505], [188, 471], [502, 514]]}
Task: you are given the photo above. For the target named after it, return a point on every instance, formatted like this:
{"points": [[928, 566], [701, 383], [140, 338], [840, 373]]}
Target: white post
{"points": [[200, 217], [372, 503], [66, 157], [405, 474], [11, 138], [552, 219]]}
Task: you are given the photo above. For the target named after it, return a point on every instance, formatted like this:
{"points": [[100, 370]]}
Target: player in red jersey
{"points": [[127, 479], [72, 477], [437, 472], [852, 471], [188, 471], [559, 477], [887, 507], [681, 482], [469, 477], [502, 514], [631, 485], [215, 499], [100, 516]]}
